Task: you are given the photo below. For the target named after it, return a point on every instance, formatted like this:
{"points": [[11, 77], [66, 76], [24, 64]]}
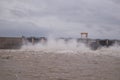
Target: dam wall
{"points": [[10, 42], [17, 42]]}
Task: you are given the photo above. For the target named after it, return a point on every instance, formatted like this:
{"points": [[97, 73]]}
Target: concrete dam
{"points": [[18, 42]]}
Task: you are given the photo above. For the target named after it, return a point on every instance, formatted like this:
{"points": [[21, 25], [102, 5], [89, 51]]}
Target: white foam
{"points": [[53, 44], [72, 46]]}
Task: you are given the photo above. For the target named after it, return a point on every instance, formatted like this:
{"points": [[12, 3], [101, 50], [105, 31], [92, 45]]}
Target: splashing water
{"points": [[57, 45], [71, 46]]}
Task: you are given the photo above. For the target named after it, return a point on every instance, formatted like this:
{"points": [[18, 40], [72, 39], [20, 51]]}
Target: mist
{"points": [[71, 46], [56, 44]]}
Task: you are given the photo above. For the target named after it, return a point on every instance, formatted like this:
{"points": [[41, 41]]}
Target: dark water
{"points": [[60, 64]]}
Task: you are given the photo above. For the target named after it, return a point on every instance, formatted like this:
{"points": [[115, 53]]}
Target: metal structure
{"points": [[84, 35]]}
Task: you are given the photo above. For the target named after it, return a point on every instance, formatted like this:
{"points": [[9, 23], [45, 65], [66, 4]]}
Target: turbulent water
{"points": [[72, 46], [58, 60]]}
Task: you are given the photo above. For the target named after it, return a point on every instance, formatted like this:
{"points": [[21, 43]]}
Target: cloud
{"points": [[10, 28], [100, 18]]}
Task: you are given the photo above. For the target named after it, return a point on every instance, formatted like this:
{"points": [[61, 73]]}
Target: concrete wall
{"points": [[10, 42], [16, 42]]}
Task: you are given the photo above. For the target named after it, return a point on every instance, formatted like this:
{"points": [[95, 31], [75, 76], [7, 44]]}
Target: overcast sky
{"points": [[60, 18]]}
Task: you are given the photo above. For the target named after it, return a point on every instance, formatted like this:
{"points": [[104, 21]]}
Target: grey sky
{"points": [[61, 18]]}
